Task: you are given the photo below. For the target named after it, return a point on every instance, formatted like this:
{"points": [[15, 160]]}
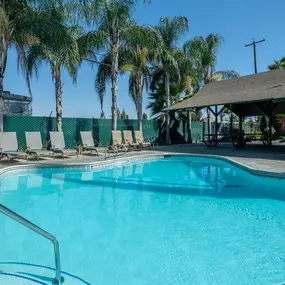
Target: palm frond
{"points": [[4, 21], [142, 36], [278, 64], [22, 63], [171, 29], [225, 75], [103, 76], [133, 90], [94, 40]]}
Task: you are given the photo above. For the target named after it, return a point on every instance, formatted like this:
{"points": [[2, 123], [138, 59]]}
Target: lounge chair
{"points": [[58, 145], [9, 146], [35, 145], [88, 142], [144, 143], [117, 142], [128, 140]]}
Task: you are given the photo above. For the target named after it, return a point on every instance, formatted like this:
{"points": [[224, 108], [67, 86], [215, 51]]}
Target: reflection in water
{"points": [[187, 177]]}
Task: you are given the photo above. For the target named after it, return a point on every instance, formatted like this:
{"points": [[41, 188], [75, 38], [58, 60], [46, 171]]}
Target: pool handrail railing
{"points": [[16, 217]]}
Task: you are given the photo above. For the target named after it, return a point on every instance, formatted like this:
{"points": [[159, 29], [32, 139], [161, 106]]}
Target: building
{"points": [[12, 104]]}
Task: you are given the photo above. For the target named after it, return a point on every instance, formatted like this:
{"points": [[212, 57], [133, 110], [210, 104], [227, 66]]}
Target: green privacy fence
{"points": [[101, 128]]}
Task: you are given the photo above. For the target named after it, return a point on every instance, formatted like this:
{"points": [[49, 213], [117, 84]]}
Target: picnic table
{"points": [[240, 140]]}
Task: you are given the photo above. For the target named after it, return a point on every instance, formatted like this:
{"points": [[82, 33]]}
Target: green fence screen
{"points": [[100, 128]]}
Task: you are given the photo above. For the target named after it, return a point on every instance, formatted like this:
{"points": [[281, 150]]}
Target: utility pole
{"points": [[254, 43]]}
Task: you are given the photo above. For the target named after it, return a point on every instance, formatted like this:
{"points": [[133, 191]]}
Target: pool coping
{"points": [[124, 159]]}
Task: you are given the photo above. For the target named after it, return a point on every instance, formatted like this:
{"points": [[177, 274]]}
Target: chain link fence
{"points": [[100, 128]]}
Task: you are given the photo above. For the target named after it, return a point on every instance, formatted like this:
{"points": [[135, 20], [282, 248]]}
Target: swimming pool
{"points": [[172, 220]]}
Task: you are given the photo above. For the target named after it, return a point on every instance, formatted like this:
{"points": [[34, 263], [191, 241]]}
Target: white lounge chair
{"points": [[128, 140], [9, 146], [35, 145], [58, 145]]}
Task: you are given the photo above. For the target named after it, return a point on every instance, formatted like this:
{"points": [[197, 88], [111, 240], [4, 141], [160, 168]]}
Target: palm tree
{"points": [[136, 63], [21, 26], [59, 54], [115, 29], [225, 75], [170, 31], [278, 64], [203, 52], [136, 60]]}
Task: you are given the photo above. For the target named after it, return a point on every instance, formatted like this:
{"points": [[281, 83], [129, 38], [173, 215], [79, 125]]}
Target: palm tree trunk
{"points": [[3, 60], [58, 97], [139, 101], [114, 79], [167, 98]]}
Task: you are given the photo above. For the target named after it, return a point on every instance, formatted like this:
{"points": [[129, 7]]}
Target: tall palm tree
{"points": [[203, 52], [22, 24], [136, 63], [170, 31], [59, 54], [278, 64], [115, 29]]}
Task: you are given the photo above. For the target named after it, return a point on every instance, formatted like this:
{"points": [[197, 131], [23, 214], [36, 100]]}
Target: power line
{"points": [[254, 43]]}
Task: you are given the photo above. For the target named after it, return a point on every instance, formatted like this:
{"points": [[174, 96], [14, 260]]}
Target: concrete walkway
{"points": [[255, 157]]}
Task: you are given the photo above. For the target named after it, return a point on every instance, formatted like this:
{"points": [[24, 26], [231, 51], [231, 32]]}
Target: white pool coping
{"points": [[124, 159]]}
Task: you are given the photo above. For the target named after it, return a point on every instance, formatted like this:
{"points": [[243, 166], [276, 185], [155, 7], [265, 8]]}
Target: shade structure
{"points": [[262, 93]]}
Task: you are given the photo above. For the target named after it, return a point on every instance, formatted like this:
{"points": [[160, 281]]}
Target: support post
{"points": [[240, 125], [270, 130], [231, 125], [216, 123], [203, 134], [189, 126], [208, 121], [1, 113], [241, 143]]}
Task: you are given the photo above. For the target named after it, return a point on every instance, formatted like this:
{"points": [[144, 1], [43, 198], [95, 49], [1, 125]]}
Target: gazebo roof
{"points": [[242, 94]]}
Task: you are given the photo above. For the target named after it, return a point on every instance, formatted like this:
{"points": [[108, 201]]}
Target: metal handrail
{"points": [[11, 214]]}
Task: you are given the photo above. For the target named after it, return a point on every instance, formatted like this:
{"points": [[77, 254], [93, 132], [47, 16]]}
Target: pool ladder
{"points": [[9, 213]]}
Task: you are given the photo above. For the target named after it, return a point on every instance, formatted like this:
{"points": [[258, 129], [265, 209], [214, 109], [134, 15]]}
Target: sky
{"points": [[237, 21]]}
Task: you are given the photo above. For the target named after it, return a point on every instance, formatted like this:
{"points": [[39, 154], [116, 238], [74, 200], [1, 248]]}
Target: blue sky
{"points": [[237, 21]]}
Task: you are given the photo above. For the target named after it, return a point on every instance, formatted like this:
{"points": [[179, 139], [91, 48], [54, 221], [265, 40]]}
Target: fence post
{"points": [[1, 122]]}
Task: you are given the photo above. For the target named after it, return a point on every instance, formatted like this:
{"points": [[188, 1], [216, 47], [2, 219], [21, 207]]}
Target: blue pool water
{"points": [[169, 221]]}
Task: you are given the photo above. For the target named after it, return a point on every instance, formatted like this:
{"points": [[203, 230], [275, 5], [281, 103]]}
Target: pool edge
{"points": [[117, 161]]}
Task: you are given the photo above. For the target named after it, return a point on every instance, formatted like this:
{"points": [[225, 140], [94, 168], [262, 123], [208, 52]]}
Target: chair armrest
{"points": [[97, 143]]}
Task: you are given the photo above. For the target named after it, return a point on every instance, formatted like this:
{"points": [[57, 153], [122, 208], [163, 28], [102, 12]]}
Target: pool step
{"points": [[16, 273]]}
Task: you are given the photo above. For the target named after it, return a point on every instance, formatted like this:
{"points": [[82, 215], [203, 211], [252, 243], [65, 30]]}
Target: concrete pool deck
{"points": [[257, 158]]}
